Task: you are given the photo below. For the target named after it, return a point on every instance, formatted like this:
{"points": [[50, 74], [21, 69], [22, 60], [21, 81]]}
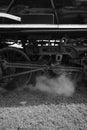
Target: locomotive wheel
{"points": [[14, 55]]}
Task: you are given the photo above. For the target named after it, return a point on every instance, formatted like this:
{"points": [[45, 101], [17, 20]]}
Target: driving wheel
{"points": [[14, 55]]}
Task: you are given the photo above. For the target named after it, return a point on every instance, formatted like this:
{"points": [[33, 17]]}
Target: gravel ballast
{"points": [[36, 110]]}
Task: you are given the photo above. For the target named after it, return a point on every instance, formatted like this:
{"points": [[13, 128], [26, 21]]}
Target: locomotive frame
{"points": [[35, 41], [43, 48]]}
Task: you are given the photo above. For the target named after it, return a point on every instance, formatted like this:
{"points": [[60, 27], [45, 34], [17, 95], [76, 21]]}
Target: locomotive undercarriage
{"points": [[22, 59]]}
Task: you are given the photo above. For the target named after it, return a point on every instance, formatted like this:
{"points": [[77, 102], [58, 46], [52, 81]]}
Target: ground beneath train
{"points": [[28, 109]]}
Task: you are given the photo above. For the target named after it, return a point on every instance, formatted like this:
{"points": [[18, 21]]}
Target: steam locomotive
{"points": [[42, 37]]}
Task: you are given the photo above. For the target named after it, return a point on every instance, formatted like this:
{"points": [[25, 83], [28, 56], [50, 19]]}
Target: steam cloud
{"points": [[61, 85]]}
